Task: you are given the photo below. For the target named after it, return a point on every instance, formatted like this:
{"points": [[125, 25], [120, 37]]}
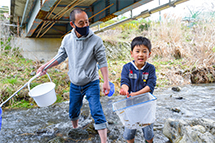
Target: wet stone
{"points": [[176, 110], [179, 98], [114, 134], [176, 89], [78, 134], [56, 140], [85, 112], [90, 128], [110, 121], [27, 134], [185, 131], [43, 131]]}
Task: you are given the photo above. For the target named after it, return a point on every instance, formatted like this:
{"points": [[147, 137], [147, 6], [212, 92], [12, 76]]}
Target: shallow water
{"points": [[40, 125]]}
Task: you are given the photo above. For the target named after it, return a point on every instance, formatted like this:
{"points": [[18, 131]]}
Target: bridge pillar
{"points": [[38, 48]]}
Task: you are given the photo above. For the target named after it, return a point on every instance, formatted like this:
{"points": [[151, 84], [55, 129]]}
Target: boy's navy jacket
{"points": [[137, 79]]}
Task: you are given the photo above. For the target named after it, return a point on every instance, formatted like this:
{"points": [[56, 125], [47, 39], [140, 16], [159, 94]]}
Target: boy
{"points": [[138, 77]]}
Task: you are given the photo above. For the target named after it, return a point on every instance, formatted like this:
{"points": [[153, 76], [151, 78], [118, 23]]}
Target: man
{"points": [[84, 50]]}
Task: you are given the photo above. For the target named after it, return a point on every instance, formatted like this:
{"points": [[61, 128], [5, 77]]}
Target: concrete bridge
{"points": [[41, 24]]}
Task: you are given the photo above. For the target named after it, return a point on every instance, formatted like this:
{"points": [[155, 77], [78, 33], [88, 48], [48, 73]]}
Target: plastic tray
{"points": [[137, 111]]}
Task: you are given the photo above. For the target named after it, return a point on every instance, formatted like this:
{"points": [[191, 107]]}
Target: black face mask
{"points": [[84, 31]]}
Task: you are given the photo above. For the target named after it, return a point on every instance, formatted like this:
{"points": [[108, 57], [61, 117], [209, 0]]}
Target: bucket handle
{"points": [[37, 75]]}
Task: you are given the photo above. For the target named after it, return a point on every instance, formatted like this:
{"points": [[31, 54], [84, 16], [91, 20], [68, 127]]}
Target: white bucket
{"points": [[43, 94]]}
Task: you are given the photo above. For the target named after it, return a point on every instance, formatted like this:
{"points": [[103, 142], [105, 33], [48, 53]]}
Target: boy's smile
{"points": [[140, 54]]}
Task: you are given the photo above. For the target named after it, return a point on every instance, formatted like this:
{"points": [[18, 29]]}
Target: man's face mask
{"points": [[84, 31]]}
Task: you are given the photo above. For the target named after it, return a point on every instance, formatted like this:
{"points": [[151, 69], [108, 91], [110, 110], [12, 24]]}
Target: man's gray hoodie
{"points": [[84, 53]]}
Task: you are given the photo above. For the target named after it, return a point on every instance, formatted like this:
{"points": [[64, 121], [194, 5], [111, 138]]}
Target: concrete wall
{"points": [[38, 48]]}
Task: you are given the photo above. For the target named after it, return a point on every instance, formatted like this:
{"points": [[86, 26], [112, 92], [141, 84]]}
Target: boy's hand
{"points": [[132, 94], [123, 92]]}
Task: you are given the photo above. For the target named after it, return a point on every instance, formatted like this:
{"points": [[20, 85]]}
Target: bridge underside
{"points": [[42, 24], [50, 18]]}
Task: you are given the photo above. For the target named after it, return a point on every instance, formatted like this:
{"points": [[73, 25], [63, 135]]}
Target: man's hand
{"points": [[106, 88], [40, 70], [124, 92]]}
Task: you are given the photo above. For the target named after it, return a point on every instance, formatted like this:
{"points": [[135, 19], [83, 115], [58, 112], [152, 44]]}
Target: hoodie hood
{"points": [[82, 38]]}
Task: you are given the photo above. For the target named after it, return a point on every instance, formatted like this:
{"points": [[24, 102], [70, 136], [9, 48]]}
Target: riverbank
{"points": [[16, 71], [181, 55]]}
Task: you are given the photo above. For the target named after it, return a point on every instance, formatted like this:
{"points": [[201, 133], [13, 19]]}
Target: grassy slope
{"points": [[15, 71], [178, 46]]}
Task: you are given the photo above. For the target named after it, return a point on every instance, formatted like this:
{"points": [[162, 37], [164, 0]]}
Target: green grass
{"points": [[22, 104], [59, 99], [10, 80], [33, 84], [213, 49]]}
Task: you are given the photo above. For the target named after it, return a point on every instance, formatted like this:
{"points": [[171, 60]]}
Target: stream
{"points": [[42, 125]]}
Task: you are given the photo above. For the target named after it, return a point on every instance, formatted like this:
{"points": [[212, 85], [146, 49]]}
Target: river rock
{"points": [[179, 98], [78, 134], [176, 89], [90, 128], [190, 131], [56, 140], [203, 75], [176, 110]]}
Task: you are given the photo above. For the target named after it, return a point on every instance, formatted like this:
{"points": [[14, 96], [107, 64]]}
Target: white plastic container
{"points": [[136, 112], [43, 94]]}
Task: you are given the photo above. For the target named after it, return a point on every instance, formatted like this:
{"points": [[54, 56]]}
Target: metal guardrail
{"points": [[143, 14]]}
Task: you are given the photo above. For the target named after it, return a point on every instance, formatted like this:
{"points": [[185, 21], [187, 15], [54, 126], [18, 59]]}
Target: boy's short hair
{"points": [[137, 41], [74, 12]]}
